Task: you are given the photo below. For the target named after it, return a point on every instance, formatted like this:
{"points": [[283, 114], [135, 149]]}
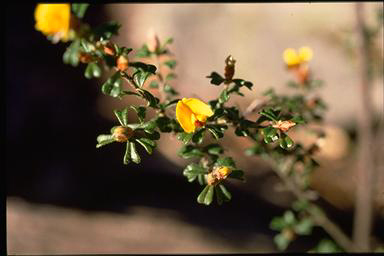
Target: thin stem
{"points": [[317, 215], [365, 171], [161, 80]]}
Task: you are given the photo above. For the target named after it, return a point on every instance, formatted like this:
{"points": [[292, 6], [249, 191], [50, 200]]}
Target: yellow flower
{"points": [[53, 20], [292, 58], [224, 172], [192, 113]]}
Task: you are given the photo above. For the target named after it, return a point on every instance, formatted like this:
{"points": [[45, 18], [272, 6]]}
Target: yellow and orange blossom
{"points": [[192, 113], [217, 175], [293, 58], [53, 20]]}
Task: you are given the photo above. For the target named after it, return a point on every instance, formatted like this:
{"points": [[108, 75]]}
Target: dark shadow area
{"points": [[51, 129]]}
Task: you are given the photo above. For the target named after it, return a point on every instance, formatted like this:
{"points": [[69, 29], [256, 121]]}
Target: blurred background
{"points": [[65, 196]]}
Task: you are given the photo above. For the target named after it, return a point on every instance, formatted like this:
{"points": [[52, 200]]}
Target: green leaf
{"points": [[208, 195], [304, 227], [149, 127], [277, 223], [170, 76], [241, 82], [203, 193], [71, 54], [237, 174], [122, 116], [147, 144], [169, 89], [201, 179], [293, 84], [170, 63], [154, 135], [143, 67], [270, 134], [198, 136], [79, 9], [298, 120], [327, 246], [143, 52], [226, 161], [152, 100], [140, 111], [134, 155], [192, 171], [216, 79], [217, 134], [105, 31], [123, 50], [109, 60], [225, 192], [190, 151], [164, 124], [127, 155], [316, 83], [289, 218], [285, 142], [154, 84], [168, 41], [269, 113], [217, 130], [241, 132], [92, 70], [104, 139], [219, 195], [185, 137], [214, 149], [112, 86], [281, 241], [300, 205], [256, 149]]}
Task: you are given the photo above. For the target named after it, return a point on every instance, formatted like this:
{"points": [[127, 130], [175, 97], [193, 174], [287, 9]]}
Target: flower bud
{"points": [[109, 49], [218, 174], [229, 68], [153, 41], [284, 126], [122, 63], [85, 57], [289, 234], [122, 134]]}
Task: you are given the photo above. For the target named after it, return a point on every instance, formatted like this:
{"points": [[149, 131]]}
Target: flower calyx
{"points": [[122, 63], [153, 41], [218, 174], [109, 49], [283, 126], [122, 133], [229, 70]]}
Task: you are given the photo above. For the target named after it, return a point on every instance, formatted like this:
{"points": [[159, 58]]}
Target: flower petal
{"points": [[290, 57], [305, 53], [198, 107], [184, 117], [53, 19]]}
